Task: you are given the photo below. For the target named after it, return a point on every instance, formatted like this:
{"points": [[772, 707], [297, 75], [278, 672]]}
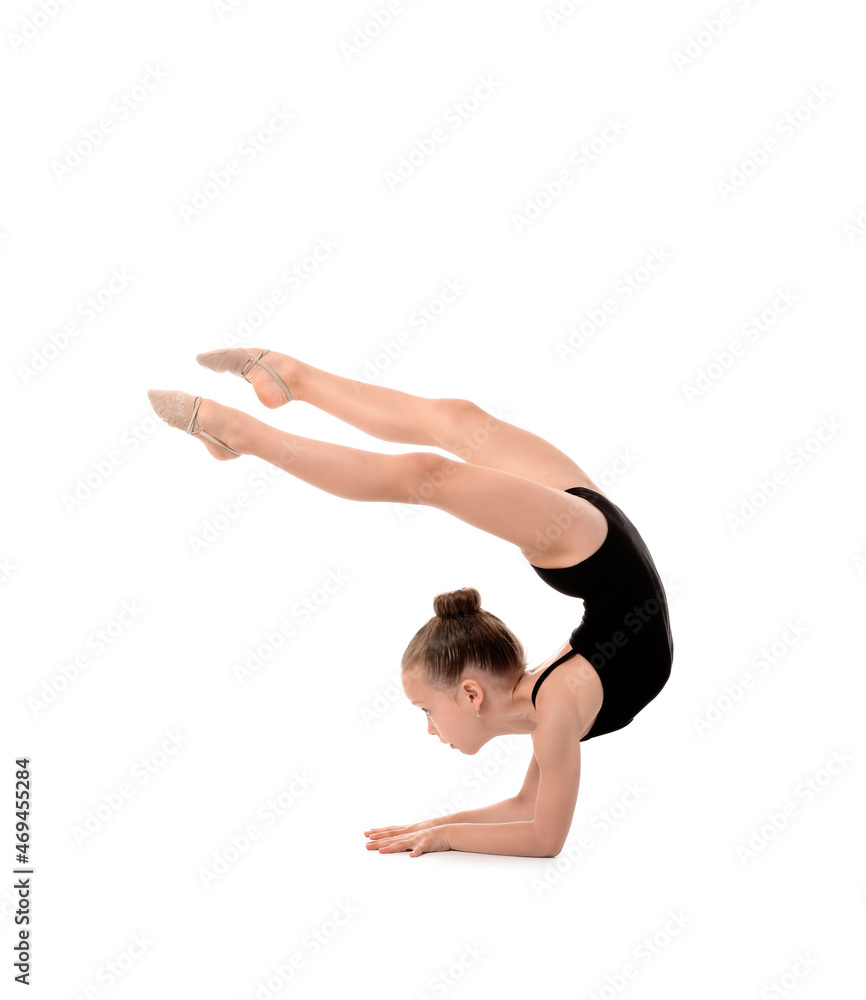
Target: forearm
{"points": [[500, 812], [521, 839]]}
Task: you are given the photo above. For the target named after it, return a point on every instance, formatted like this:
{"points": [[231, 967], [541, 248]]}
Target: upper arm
{"points": [[557, 755], [529, 792]]}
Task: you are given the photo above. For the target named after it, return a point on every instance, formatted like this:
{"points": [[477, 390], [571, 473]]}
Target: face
{"points": [[451, 716]]}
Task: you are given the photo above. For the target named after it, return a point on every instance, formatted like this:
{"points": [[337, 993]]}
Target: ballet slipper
{"points": [[180, 409], [239, 362]]}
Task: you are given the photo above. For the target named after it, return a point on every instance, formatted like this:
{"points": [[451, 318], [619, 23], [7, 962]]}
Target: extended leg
{"points": [[352, 473], [458, 426], [544, 523]]}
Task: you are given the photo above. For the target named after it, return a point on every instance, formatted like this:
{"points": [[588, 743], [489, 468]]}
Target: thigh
{"points": [[550, 527], [479, 438]]}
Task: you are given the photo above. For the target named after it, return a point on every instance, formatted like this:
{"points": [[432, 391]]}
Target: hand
{"points": [[419, 838], [382, 831]]}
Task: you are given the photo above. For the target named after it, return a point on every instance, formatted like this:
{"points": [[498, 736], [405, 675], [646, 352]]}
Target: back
{"points": [[625, 631]]}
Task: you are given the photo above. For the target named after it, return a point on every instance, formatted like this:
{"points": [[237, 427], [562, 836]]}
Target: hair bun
{"points": [[456, 603]]}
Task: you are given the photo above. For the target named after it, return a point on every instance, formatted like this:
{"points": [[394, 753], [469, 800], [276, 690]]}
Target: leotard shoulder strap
{"points": [[552, 666]]}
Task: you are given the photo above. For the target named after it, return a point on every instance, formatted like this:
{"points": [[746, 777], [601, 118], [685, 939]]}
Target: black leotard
{"points": [[625, 632]]}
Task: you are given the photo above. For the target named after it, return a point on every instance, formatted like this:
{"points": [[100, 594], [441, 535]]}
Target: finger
{"points": [[397, 844], [380, 829], [381, 842]]}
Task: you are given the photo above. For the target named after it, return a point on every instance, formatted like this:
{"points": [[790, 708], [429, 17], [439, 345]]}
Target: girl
{"points": [[465, 669]]}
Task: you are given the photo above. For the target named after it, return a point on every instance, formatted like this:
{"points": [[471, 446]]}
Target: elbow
{"points": [[549, 852], [550, 846]]}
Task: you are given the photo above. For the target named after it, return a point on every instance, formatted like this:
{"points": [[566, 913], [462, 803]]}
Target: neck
{"points": [[516, 713]]}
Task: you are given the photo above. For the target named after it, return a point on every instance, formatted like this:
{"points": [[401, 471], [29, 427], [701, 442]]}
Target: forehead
{"points": [[415, 687]]}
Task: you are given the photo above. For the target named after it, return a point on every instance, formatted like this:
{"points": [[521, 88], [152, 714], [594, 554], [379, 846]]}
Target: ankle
{"points": [[240, 432], [293, 372]]}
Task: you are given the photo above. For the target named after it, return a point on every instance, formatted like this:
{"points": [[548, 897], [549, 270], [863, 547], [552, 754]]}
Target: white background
{"points": [[101, 501]]}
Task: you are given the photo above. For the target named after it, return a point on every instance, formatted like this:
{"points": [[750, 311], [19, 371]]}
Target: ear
{"points": [[473, 691]]}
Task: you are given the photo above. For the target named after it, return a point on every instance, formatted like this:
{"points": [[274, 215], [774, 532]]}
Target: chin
{"points": [[471, 752]]}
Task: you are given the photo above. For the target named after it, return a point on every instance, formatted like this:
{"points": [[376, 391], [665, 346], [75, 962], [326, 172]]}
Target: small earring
{"points": [[477, 714]]}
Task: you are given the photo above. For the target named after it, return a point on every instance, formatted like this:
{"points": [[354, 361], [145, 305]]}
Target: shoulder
{"points": [[571, 696], [556, 738]]}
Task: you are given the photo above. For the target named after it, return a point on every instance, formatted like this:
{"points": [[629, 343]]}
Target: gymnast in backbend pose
{"points": [[465, 669]]}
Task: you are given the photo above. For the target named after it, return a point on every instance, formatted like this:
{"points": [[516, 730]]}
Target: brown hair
{"points": [[462, 634]]}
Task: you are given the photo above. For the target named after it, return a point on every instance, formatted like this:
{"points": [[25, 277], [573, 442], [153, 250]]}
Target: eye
{"points": [[426, 711]]}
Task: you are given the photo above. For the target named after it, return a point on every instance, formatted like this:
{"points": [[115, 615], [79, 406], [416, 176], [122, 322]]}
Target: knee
{"points": [[458, 411], [455, 418], [424, 475]]}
